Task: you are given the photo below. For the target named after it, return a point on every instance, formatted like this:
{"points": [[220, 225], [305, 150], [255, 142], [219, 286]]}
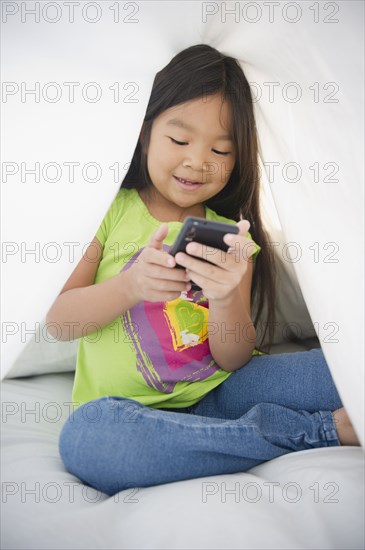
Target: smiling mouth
{"points": [[188, 182]]}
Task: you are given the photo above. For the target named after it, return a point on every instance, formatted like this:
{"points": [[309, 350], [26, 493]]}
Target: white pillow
{"points": [[43, 354]]}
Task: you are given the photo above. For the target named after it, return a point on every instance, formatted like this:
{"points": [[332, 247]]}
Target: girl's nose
{"points": [[197, 162]]}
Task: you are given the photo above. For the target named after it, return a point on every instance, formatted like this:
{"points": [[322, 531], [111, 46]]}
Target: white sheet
{"points": [[310, 500], [318, 47]]}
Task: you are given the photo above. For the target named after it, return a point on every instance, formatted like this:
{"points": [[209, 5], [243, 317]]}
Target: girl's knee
{"points": [[100, 438], [93, 426]]}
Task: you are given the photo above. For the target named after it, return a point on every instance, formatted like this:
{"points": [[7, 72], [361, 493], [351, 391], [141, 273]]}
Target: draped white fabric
{"points": [[74, 97]]}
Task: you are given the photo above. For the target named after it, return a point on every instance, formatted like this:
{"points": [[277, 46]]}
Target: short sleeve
{"points": [[106, 225], [255, 246]]}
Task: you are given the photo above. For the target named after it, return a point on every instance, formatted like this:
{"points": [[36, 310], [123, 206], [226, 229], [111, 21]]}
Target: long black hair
{"points": [[199, 71]]}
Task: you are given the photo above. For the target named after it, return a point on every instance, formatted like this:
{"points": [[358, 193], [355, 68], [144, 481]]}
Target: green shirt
{"points": [[156, 353]]}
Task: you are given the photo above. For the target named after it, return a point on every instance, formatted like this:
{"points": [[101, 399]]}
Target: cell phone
{"points": [[203, 231]]}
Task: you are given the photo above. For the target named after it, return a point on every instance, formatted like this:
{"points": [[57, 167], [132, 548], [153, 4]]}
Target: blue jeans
{"points": [[274, 405]]}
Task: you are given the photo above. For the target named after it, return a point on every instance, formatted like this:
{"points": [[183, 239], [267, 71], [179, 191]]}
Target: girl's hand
{"points": [[153, 277], [221, 280]]}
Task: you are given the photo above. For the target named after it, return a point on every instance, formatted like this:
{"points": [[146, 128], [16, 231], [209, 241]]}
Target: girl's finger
{"points": [[240, 247], [163, 285], [158, 237], [208, 270], [208, 253], [215, 287], [158, 257], [218, 257], [244, 226], [161, 272]]}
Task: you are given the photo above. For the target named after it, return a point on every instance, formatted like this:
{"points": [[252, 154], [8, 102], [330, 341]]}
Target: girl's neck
{"points": [[165, 211]]}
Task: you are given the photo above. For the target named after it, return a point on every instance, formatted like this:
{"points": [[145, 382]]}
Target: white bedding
{"points": [[314, 48], [309, 499]]}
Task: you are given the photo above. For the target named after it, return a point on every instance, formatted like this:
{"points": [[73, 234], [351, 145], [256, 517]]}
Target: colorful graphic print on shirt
{"points": [[170, 339]]}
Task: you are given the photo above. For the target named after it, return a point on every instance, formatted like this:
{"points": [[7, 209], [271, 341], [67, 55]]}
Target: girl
{"points": [[160, 394]]}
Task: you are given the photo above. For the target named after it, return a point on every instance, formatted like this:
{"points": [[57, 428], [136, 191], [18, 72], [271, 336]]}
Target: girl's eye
{"points": [[185, 143], [178, 142], [220, 152]]}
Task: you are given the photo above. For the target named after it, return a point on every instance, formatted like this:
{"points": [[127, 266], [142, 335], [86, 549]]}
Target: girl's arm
{"points": [[82, 306], [226, 282], [232, 335]]}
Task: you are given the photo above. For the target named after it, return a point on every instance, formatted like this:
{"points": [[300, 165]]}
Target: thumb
{"points": [[244, 226], [158, 236]]}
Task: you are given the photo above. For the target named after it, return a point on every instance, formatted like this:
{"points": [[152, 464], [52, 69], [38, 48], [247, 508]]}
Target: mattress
{"points": [[308, 499]]}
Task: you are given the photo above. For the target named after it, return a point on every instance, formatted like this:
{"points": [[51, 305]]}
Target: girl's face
{"points": [[191, 141]]}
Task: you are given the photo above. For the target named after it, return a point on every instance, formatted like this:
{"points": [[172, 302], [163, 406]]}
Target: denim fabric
{"points": [[274, 405]]}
